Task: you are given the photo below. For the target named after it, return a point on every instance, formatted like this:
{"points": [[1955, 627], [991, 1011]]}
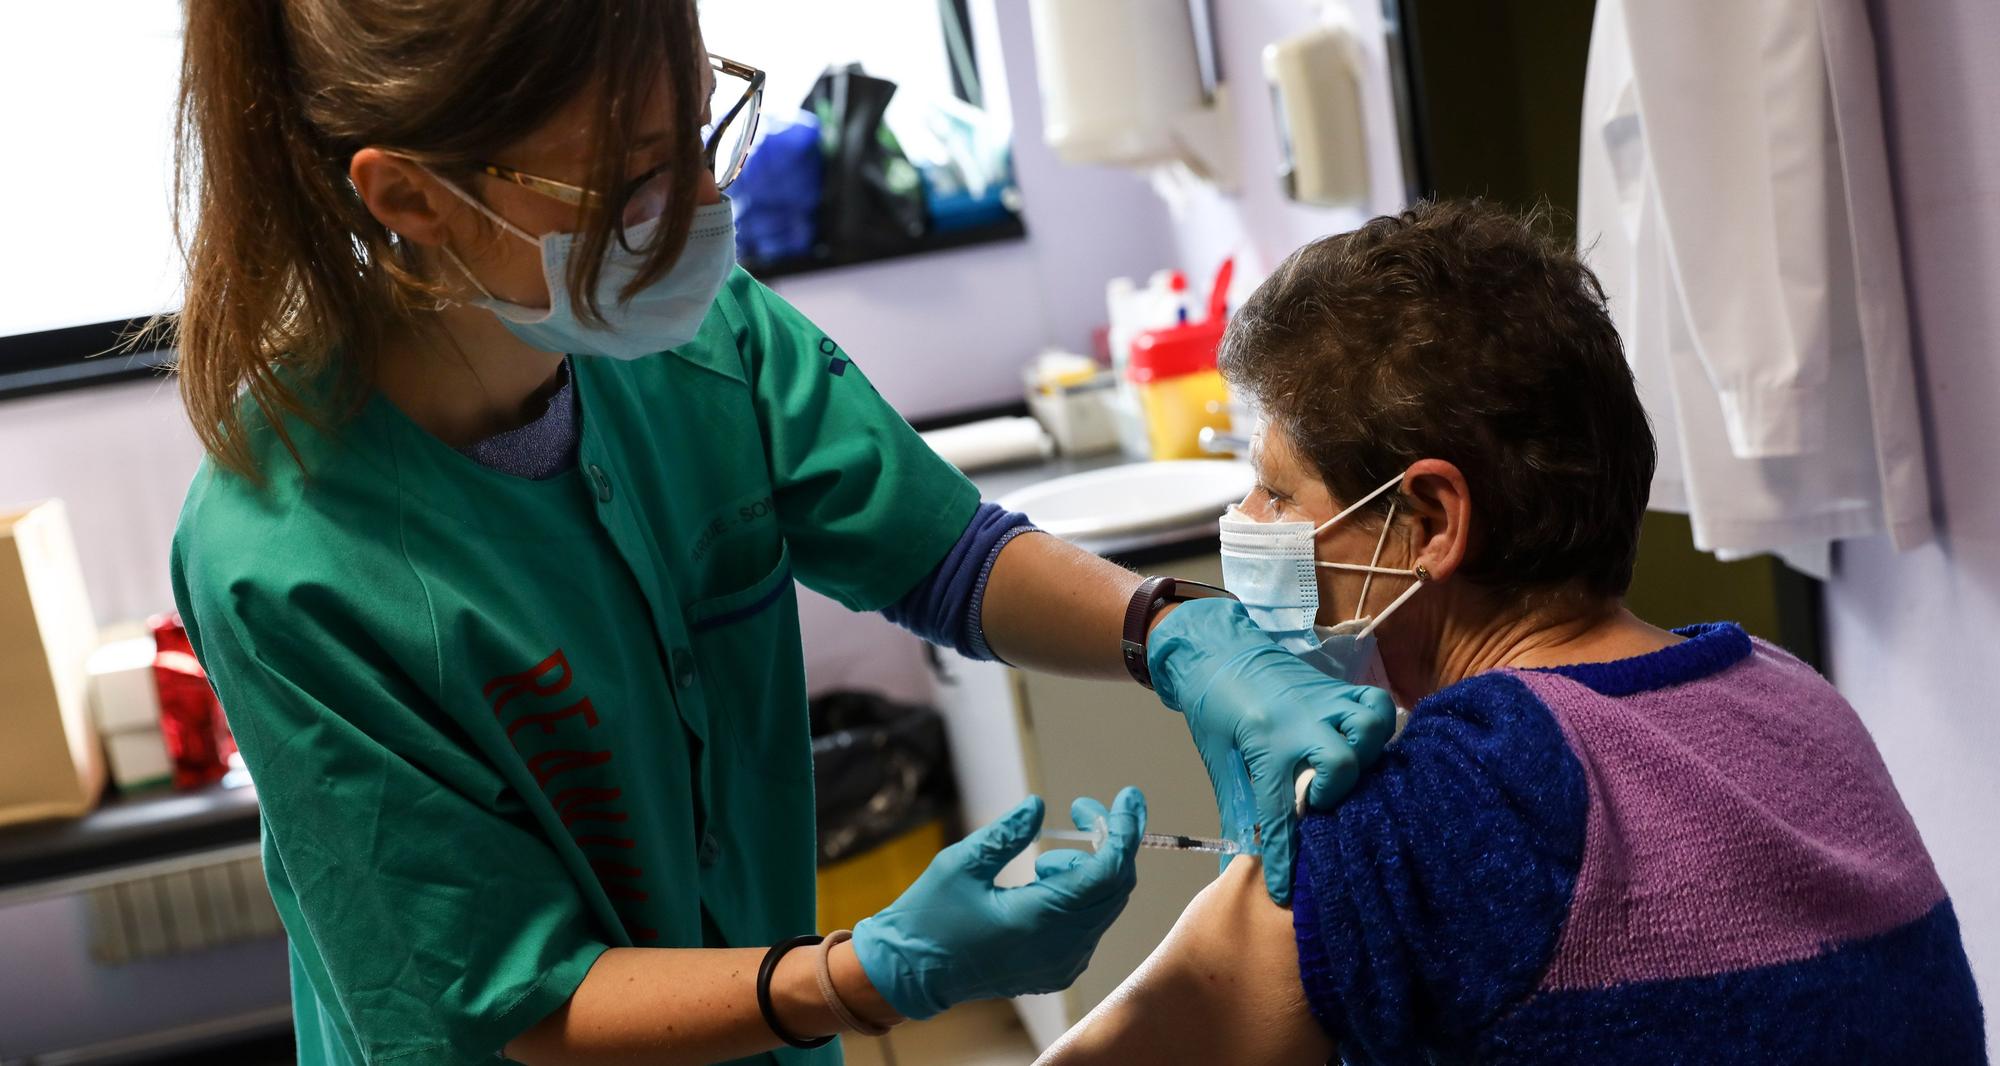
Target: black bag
{"points": [[872, 203], [880, 769]]}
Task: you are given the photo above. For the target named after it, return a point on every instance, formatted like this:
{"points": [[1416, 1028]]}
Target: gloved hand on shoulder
{"points": [[1247, 697]]}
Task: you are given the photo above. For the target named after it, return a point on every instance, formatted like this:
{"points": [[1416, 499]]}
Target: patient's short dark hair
{"points": [[1458, 331]]}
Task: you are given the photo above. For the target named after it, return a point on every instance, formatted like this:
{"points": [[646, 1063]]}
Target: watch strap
{"points": [[1152, 594]]}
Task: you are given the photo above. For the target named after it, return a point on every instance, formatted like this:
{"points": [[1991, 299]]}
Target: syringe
{"points": [[1095, 837]]}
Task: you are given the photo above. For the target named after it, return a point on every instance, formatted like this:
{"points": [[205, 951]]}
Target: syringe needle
{"points": [[1186, 843], [1163, 841]]}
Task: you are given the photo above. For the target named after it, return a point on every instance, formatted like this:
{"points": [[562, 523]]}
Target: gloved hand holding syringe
{"points": [[1099, 831]]}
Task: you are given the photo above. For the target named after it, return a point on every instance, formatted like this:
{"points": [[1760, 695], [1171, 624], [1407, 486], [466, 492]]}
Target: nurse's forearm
{"points": [[664, 1006], [1052, 606]]}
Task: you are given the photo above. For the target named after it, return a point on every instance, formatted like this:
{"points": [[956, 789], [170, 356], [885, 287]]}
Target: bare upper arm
{"points": [[1222, 987]]}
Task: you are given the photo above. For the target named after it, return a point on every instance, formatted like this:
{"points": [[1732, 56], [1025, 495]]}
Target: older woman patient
{"points": [[1596, 840]]}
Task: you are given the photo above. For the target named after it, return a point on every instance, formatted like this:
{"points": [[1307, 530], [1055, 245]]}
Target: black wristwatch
{"points": [[1151, 595]]}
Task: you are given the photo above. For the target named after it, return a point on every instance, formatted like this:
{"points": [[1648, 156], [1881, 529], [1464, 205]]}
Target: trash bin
{"points": [[885, 798]]}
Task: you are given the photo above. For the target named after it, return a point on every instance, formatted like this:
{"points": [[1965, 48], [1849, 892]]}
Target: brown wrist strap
{"points": [[833, 1001], [1151, 595]]}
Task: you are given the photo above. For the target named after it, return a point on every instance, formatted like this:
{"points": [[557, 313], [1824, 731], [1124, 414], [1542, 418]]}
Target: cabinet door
{"points": [[1091, 738]]}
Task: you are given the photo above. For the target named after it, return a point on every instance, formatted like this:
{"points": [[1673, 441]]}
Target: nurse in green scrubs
{"points": [[511, 475]]}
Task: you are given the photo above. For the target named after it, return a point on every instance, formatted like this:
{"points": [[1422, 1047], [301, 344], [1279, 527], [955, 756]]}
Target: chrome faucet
{"points": [[1216, 442]]}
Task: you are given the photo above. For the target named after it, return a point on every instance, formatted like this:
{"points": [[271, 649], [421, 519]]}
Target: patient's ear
{"points": [[1440, 506]]}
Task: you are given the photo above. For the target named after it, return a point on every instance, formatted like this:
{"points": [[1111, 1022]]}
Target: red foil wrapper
{"points": [[198, 739]]}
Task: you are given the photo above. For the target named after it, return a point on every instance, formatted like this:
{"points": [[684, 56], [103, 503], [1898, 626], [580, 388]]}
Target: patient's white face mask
{"points": [[1273, 567]]}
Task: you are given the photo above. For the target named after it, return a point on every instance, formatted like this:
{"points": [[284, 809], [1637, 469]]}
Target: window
{"points": [[794, 40], [88, 93], [86, 111], [925, 48]]}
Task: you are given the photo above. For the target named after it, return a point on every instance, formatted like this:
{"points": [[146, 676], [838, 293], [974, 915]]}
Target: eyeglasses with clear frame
{"points": [[729, 125]]}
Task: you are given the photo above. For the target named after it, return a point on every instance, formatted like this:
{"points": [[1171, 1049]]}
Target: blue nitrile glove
{"points": [[953, 936], [1243, 692]]}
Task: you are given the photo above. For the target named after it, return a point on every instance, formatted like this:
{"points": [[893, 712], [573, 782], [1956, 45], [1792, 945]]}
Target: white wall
{"points": [[1258, 223], [1911, 635], [120, 456]]}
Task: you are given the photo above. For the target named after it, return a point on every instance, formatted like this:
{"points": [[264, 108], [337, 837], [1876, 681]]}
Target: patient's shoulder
{"points": [[1480, 765], [1486, 738], [1495, 702], [1430, 899]]}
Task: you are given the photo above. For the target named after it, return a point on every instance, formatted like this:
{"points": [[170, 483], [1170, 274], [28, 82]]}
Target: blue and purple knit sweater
{"points": [[1692, 856]]}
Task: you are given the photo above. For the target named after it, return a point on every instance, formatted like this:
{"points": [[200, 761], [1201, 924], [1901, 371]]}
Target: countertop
{"points": [[158, 824], [125, 830]]}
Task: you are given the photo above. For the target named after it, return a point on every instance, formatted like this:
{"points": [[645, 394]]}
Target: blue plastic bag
{"points": [[776, 197]]}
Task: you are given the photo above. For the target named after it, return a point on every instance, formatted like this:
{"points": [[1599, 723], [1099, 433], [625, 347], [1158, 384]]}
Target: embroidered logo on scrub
{"points": [[550, 728], [837, 360], [738, 516]]}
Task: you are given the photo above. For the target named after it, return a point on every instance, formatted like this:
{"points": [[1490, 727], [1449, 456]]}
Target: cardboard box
{"points": [[51, 764]]}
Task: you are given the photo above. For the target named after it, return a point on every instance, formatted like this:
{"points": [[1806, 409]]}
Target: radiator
{"points": [[180, 911]]}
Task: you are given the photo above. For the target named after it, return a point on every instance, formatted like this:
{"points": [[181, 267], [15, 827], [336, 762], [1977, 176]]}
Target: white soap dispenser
{"points": [[1315, 80]]}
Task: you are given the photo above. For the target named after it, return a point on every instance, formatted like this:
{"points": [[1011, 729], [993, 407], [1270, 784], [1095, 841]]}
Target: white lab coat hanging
{"points": [[1734, 200]]}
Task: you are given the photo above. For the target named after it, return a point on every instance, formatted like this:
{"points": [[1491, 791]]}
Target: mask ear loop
{"points": [[491, 215], [484, 292], [477, 205], [1361, 607], [1422, 576], [1358, 504]]}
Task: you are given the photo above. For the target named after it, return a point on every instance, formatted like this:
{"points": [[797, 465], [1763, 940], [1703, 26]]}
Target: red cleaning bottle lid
{"points": [[1175, 351], [1218, 290]]}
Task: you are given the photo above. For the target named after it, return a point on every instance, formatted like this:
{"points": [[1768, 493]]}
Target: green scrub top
{"points": [[497, 725]]}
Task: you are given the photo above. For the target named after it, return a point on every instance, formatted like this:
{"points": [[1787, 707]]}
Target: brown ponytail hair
{"points": [[286, 267]]}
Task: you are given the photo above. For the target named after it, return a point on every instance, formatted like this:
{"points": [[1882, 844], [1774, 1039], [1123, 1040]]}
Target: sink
{"points": [[1137, 498]]}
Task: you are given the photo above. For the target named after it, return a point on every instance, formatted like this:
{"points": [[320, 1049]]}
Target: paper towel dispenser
{"points": [[1130, 83]]}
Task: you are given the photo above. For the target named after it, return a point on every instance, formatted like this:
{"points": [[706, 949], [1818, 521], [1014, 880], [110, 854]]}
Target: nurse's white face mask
{"points": [[666, 314], [1273, 567]]}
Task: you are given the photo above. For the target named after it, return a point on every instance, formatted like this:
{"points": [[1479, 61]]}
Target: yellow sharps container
{"points": [[1180, 391]]}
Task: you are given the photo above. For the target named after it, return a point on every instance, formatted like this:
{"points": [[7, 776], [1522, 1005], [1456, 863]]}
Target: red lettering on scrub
{"points": [[574, 805], [592, 800], [548, 765], [606, 870], [605, 867], [548, 719], [528, 682]]}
